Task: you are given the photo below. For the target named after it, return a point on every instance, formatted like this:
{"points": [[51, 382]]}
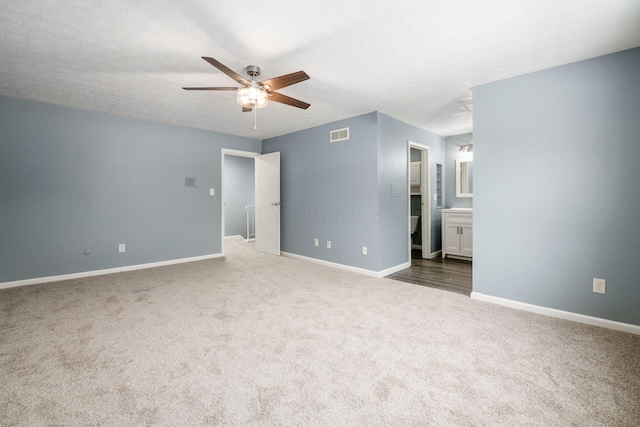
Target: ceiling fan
{"points": [[252, 94]]}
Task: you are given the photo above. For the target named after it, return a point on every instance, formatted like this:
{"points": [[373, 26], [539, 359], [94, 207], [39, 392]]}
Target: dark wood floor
{"points": [[447, 274]]}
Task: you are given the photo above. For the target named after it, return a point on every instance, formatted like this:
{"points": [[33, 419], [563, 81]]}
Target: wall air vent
{"points": [[339, 135]]}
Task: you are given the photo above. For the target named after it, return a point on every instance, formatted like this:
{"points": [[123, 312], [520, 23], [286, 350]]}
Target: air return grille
{"points": [[339, 135]]}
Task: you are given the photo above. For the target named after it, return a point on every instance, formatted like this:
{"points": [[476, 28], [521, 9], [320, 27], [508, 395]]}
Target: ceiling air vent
{"points": [[339, 135]]}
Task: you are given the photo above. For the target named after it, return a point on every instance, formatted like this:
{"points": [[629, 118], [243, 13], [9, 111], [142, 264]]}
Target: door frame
{"points": [[228, 152], [425, 195]]}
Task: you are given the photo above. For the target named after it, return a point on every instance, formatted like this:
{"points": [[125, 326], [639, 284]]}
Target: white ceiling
{"points": [[413, 60]]}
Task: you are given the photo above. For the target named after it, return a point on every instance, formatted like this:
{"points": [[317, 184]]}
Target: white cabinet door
{"points": [[466, 240], [415, 174], [457, 234], [451, 239]]}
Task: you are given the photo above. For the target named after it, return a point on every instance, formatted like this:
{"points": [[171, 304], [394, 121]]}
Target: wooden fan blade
{"points": [[210, 88], [284, 99], [228, 71], [246, 110], [284, 81]]}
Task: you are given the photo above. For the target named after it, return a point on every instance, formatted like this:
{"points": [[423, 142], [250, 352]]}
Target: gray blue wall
{"points": [[343, 191], [329, 191], [72, 180], [393, 168], [452, 153], [557, 193], [239, 191]]}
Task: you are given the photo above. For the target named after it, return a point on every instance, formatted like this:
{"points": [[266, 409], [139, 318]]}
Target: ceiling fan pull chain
{"points": [[255, 119]]}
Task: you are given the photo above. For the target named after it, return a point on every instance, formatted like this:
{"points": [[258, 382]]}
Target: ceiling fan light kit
{"points": [[253, 95]]}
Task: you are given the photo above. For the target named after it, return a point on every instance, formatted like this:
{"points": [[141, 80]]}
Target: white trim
{"points": [[425, 194], [459, 162], [348, 267], [560, 314], [395, 269], [38, 280], [228, 152], [432, 255]]}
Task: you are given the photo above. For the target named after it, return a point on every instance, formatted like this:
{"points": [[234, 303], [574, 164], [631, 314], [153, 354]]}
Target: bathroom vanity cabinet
{"points": [[457, 233]]}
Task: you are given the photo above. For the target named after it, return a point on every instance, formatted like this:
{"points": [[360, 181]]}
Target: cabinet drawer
{"points": [[458, 217]]}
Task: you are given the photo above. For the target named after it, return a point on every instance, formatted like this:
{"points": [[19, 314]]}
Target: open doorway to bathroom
{"points": [[428, 196], [419, 200]]}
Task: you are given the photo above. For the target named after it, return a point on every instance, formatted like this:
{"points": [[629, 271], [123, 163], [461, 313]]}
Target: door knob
{"points": [[276, 203]]}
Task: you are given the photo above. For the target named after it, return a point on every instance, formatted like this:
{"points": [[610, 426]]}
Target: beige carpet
{"points": [[259, 340]]}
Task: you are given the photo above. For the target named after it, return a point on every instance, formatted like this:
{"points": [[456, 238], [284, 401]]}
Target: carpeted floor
{"points": [[259, 340]]}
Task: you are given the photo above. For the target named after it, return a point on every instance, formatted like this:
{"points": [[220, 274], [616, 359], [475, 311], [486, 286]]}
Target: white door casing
{"points": [[425, 192], [267, 216], [224, 153]]}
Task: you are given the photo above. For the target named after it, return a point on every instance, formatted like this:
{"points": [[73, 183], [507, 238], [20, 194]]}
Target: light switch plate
{"points": [[396, 189], [212, 191]]}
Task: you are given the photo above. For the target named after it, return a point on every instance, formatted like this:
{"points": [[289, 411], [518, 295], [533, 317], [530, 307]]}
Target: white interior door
{"points": [[268, 203]]}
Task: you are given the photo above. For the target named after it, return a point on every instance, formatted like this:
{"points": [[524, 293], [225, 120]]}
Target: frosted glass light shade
{"points": [[253, 97]]}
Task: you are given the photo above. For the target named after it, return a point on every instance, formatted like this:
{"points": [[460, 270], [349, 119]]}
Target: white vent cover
{"points": [[339, 135]]}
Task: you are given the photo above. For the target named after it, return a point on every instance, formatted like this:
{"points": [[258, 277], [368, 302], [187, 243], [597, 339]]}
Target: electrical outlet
{"points": [[599, 286], [328, 244], [364, 250], [121, 247], [316, 242]]}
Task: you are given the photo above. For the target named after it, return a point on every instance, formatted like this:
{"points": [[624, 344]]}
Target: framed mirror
{"points": [[464, 178]]}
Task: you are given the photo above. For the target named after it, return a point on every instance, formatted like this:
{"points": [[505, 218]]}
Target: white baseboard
{"points": [[348, 267], [560, 314], [432, 255], [38, 280], [394, 269]]}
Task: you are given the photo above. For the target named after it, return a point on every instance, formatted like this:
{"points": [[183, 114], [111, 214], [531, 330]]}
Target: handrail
{"points": [[249, 234]]}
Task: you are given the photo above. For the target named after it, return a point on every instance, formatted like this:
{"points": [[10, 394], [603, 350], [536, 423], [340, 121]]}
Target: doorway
{"points": [[266, 200], [419, 199], [238, 173]]}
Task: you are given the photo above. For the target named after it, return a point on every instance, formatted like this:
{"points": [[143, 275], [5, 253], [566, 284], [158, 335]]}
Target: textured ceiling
{"points": [[413, 60]]}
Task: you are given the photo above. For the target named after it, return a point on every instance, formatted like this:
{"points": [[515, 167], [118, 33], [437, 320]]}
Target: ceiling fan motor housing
{"points": [[253, 70]]}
